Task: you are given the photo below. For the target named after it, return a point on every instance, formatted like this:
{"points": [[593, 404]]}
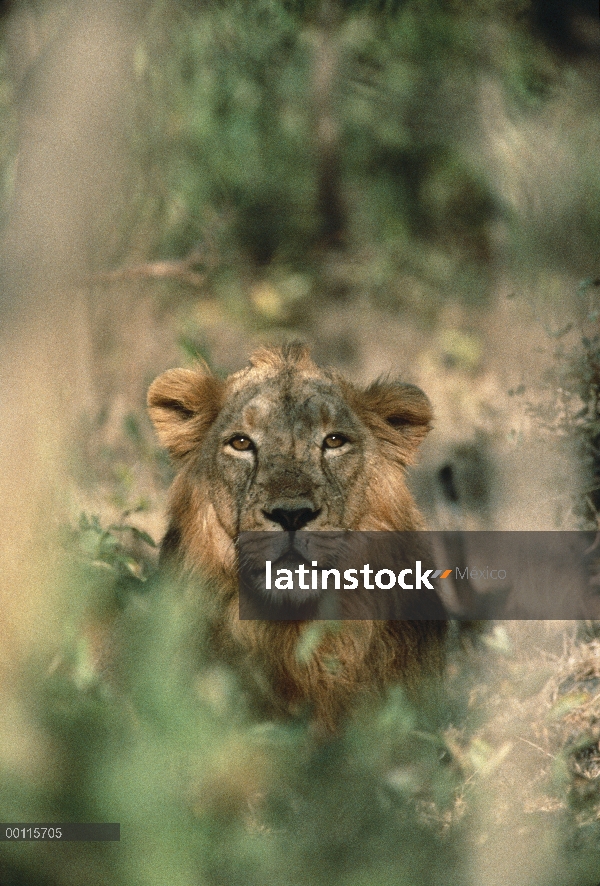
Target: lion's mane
{"points": [[348, 661]]}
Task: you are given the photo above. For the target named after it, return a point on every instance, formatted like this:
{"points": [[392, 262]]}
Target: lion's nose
{"points": [[292, 519]]}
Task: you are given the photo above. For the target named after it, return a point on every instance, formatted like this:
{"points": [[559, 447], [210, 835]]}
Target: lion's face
{"points": [[288, 453], [283, 445]]}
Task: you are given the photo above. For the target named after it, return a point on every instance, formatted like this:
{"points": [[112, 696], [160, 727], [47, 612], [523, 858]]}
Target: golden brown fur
{"points": [[285, 411]]}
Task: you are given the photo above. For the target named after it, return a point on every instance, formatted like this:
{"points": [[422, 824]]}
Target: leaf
{"points": [[567, 703], [498, 640], [131, 426], [102, 565], [484, 758], [193, 350], [144, 536], [311, 638], [134, 568], [141, 534], [90, 543], [332, 664]]}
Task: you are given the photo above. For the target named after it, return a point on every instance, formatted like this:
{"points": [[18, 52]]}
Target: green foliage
{"points": [[163, 740], [240, 95], [105, 549], [277, 137]]}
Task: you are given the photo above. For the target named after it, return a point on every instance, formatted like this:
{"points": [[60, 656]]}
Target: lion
{"points": [[284, 445]]}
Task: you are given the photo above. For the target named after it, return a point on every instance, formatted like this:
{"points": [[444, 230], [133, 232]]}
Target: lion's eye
{"points": [[241, 443], [334, 441]]}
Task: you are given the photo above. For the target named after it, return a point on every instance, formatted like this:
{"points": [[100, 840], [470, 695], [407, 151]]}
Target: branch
{"points": [[182, 270]]}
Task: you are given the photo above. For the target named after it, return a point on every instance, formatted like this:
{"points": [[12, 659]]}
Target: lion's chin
{"points": [[257, 601]]}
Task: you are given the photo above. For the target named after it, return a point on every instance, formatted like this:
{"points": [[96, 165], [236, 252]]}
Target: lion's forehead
{"points": [[297, 406], [273, 373]]}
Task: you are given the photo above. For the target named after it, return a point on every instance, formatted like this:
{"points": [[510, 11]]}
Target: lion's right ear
{"points": [[183, 404]]}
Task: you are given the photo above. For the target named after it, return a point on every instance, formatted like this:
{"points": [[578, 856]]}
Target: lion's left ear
{"points": [[397, 413], [183, 403]]}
